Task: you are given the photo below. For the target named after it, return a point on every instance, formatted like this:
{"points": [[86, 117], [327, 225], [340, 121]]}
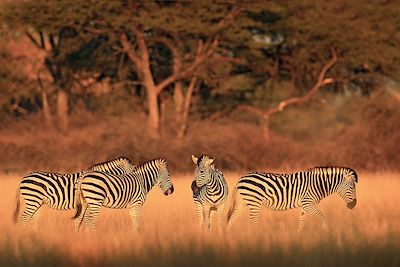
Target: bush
{"points": [[362, 136]]}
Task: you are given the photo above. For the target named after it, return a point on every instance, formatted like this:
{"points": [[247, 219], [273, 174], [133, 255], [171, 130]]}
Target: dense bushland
{"points": [[360, 132]]}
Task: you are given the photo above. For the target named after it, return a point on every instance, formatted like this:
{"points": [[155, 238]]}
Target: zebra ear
{"points": [[194, 159], [210, 161]]}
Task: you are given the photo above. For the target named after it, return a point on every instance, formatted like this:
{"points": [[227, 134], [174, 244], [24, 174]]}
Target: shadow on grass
{"points": [[323, 254]]}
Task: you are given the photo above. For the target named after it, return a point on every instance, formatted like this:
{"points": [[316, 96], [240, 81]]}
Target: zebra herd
{"points": [[118, 184]]}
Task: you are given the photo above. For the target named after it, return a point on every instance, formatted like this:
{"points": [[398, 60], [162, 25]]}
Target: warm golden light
{"points": [[170, 234]]}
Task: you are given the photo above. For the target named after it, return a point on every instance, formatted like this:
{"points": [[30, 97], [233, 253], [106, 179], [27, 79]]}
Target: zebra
{"points": [[296, 190], [57, 190], [210, 191], [127, 191]]}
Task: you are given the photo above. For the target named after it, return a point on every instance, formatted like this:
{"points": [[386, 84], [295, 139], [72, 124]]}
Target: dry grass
{"points": [[366, 236]]}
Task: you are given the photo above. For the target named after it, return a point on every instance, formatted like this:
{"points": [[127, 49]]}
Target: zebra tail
{"points": [[78, 203], [17, 206], [232, 206]]}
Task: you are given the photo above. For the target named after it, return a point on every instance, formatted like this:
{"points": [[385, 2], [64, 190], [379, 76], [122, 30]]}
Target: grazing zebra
{"points": [[210, 191], [127, 191], [296, 190], [57, 189]]}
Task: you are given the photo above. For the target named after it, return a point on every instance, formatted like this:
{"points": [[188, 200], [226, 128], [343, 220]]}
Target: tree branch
{"points": [[203, 51], [128, 49], [33, 40], [321, 81]]}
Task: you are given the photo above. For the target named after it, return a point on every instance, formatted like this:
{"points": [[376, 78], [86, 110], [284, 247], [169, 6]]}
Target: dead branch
{"points": [[321, 81]]}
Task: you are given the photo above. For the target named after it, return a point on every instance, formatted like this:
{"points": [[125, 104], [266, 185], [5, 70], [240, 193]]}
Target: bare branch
{"points": [[251, 109], [321, 81], [33, 40]]}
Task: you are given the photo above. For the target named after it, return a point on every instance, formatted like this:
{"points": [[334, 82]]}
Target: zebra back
{"points": [[347, 172], [118, 166]]}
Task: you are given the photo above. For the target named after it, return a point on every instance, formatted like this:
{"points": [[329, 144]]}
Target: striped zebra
{"points": [[127, 191], [296, 190], [210, 191], [56, 190]]}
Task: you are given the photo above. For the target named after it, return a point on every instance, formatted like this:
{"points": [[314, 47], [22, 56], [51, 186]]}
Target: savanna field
{"points": [[368, 235], [267, 86]]}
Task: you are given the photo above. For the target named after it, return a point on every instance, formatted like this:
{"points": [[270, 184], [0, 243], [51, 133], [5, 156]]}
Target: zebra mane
{"points": [[336, 168], [160, 161], [202, 158], [113, 160]]}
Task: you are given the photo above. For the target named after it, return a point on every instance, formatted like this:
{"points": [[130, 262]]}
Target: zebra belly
{"points": [[122, 203], [280, 206]]}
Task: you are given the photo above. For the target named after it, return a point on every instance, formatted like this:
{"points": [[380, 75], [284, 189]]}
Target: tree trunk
{"points": [[178, 101], [62, 110], [185, 112], [46, 111], [154, 112]]}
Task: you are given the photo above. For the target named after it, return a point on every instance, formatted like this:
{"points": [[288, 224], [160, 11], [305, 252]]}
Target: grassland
{"points": [[368, 235]]}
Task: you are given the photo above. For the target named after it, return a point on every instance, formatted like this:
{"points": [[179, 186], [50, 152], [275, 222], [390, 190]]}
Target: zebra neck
{"points": [[329, 183], [213, 183], [149, 174]]}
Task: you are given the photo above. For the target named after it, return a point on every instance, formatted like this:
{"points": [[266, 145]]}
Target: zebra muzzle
{"points": [[195, 189], [169, 191], [352, 204]]}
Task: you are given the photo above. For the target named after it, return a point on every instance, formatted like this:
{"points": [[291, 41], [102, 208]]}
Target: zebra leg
{"points": [[134, 212], [35, 220], [302, 221], [220, 217], [254, 214], [30, 209], [237, 211], [78, 221], [90, 217], [206, 214], [312, 209], [213, 212], [200, 215]]}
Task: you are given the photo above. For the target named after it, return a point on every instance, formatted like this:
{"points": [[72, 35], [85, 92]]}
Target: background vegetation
{"points": [[248, 83]]}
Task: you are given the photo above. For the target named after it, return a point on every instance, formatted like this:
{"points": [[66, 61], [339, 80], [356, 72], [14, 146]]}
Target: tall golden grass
{"points": [[368, 235]]}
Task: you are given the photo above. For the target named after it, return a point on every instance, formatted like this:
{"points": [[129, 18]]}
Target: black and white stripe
{"points": [[128, 191], [296, 190], [117, 166], [56, 190], [210, 191]]}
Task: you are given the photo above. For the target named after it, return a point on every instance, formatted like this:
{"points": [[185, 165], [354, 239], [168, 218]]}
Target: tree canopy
{"points": [[237, 51]]}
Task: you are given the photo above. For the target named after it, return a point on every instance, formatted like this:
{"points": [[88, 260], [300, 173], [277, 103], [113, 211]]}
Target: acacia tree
{"points": [[16, 86], [47, 28], [264, 115], [364, 33]]}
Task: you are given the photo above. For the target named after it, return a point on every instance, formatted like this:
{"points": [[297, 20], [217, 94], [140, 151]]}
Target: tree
{"points": [[42, 23], [364, 35], [321, 82]]}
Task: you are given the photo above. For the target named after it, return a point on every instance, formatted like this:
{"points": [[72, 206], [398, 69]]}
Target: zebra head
{"points": [[347, 188], [163, 178], [202, 173]]}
